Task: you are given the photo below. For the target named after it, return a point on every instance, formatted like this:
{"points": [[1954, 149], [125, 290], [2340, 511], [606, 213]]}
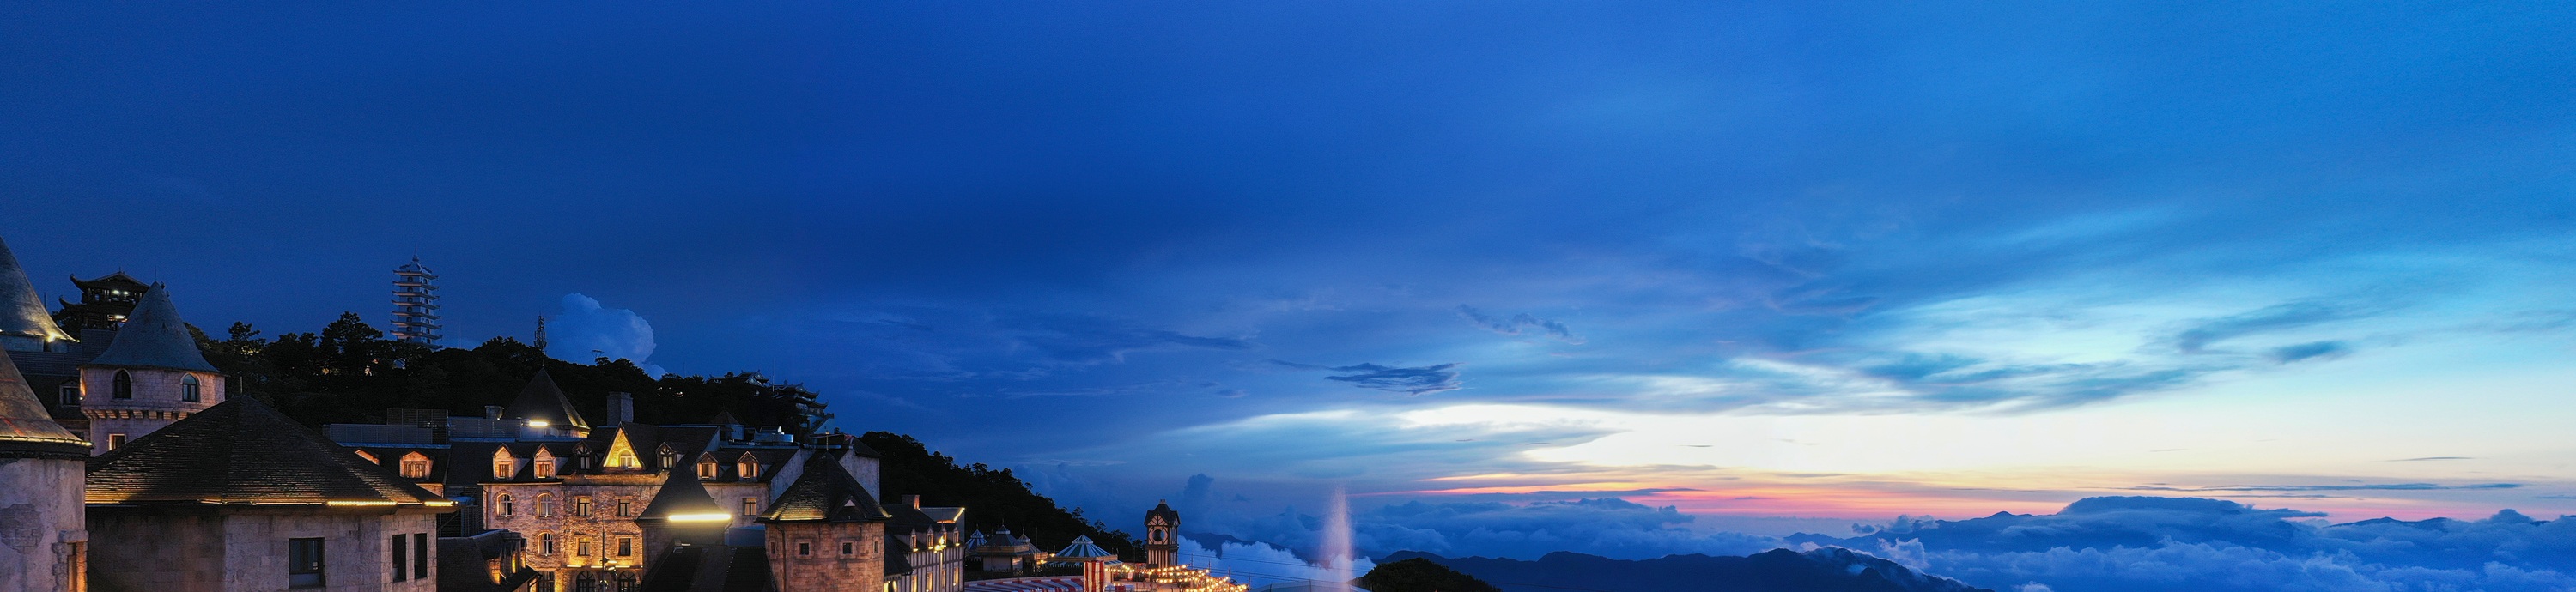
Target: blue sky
{"points": [[1747, 260]]}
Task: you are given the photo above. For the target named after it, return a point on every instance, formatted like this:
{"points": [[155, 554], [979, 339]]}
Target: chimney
{"points": [[492, 411], [621, 408], [912, 500]]}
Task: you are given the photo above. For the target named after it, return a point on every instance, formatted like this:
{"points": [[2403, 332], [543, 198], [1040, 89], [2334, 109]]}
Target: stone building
{"points": [[43, 531], [925, 548], [239, 497], [826, 533], [150, 376]]}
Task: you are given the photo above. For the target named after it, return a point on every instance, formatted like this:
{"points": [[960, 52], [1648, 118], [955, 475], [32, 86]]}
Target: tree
{"points": [[1420, 575]]}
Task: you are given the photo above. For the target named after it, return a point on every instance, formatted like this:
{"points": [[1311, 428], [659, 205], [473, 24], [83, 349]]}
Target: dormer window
{"points": [[545, 468], [670, 458], [121, 387], [707, 466], [504, 465], [188, 388], [748, 467], [415, 466]]}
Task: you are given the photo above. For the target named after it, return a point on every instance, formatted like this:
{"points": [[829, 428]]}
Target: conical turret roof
{"points": [[682, 499], [22, 313], [542, 401], [154, 338], [825, 493], [26, 430]]}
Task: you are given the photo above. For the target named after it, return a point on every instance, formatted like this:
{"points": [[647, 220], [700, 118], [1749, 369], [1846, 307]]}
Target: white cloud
{"points": [[582, 330]]}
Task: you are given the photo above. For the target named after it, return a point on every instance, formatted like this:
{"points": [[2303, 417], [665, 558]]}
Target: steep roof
{"points": [[541, 400], [824, 493], [22, 313], [241, 452], [681, 495], [154, 338], [1163, 510], [27, 430]]}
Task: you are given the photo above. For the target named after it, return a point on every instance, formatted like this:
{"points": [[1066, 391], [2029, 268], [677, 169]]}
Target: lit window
{"points": [[748, 468], [751, 506], [115, 441], [545, 543], [545, 505], [625, 506], [625, 546], [581, 505], [415, 466], [509, 505], [545, 468], [582, 546], [670, 458], [188, 388], [122, 386], [707, 467]]}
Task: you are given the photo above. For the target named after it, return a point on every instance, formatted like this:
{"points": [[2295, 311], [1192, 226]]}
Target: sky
{"points": [[1763, 264]]}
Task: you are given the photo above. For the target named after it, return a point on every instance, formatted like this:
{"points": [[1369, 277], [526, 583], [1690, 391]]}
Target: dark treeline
{"points": [[350, 373], [993, 497]]}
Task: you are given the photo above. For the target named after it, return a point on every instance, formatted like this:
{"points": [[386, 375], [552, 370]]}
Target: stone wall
{"points": [[140, 550], [155, 404], [823, 568], [41, 525], [603, 526]]}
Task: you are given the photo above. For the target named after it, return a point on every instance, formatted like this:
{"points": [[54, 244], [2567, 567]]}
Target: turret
{"points": [[826, 533], [40, 493], [150, 377]]}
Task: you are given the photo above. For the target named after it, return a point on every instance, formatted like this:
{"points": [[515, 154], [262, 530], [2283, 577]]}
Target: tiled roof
{"points": [[541, 400], [154, 337], [242, 452], [1163, 509], [681, 495], [824, 493], [27, 430], [21, 312]]}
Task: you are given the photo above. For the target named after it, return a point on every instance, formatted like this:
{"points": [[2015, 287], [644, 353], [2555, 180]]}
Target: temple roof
{"points": [[154, 338], [825, 493], [113, 281], [26, 429], [241, 452], [541, 400], [22, 313], [681, 495]]}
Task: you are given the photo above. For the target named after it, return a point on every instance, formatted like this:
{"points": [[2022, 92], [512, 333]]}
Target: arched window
{"points": [[123, 386], [585, 583], [670, 458], [508, 506], [188, 388], [625, 580], [545, 505], [545, 543]]}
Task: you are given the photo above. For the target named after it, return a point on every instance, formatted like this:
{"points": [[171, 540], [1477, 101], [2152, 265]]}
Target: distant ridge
{"points": [[1829, 569]]}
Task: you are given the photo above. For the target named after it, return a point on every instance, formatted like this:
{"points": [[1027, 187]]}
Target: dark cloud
{"points": [[1519, 324], [2306, 351], [1415, 380], [2271, 318], [2380, 487]]}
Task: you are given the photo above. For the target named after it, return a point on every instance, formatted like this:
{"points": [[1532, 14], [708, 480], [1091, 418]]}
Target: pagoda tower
{"points": [[150, 377], [415, 304]]}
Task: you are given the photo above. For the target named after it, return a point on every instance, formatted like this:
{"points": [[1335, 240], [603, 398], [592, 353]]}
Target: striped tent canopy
{"points": [[1082, 549], [1047, 584]]}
